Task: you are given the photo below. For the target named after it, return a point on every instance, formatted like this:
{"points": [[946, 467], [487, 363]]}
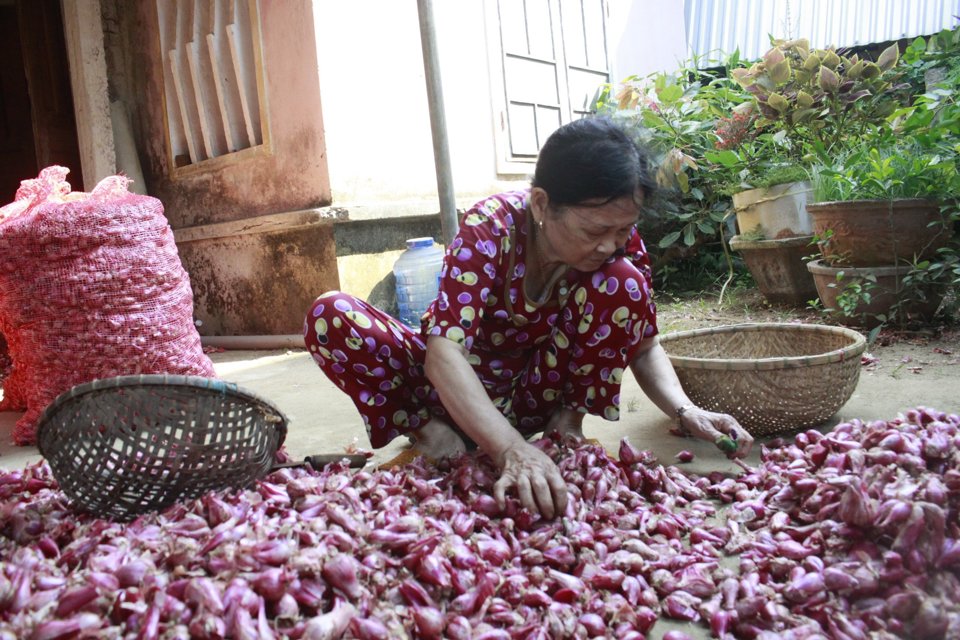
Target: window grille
{"points": [[213, 78]]}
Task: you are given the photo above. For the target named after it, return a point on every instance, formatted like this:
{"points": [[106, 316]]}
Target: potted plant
{"points": [[806, 100], [769, 188], [880, 206], [768, 180], [884, 220]]}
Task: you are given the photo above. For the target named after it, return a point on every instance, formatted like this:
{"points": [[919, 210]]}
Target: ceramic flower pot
{"points": [[774, 212], [884, 288], [778, 267], [864, 233]]}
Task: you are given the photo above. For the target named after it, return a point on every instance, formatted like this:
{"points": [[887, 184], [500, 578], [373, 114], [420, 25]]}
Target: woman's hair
{"points": [[592, 159]]}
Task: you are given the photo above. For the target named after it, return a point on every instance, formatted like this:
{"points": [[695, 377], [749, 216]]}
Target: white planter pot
{"points": [[776, 212]]}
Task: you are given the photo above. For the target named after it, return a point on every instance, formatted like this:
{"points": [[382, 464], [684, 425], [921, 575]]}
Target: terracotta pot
{"points": [[778, 268], [888, 290], [774, 212], [879, 232]]}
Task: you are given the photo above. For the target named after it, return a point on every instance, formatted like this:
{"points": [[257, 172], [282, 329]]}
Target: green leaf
{"points": [[830, 59], [669, 239], [870, 70], [773, 57], [652, 120], [726, 157], [670, 93], [828, 80], [780, 72], [888, 59], [705, 228], [802, 115], [856, 70], [689, 235], [778, 102]]}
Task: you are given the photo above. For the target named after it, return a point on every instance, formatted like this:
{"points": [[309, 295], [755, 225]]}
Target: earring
{"points": [[540, 224]]}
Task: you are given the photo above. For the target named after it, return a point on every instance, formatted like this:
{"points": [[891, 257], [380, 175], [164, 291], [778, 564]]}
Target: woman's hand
{"points": [[537, 479], [659, 381], [711, 426]]}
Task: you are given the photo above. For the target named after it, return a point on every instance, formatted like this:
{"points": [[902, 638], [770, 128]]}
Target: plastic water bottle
{"points": [[418, 278]]}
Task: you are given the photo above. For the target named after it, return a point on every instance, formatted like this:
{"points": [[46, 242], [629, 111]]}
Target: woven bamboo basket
{"points": [[772, 378], [123, 446]]}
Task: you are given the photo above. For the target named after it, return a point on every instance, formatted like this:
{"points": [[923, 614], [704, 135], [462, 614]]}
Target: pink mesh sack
{"points": [[5, 363], [91, 286]]}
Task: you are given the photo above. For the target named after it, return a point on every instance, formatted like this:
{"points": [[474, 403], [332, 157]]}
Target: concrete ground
{"points": [[905, 374]]}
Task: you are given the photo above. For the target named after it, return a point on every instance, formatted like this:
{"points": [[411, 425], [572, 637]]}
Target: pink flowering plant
{"points": [[753, 155]]}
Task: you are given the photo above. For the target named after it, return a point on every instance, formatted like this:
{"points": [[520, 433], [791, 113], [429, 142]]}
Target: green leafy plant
{"points": [[931, 279], [912, 154], [895, 169], [802, 102], [675, 116], [754, 156], [854, 293], [928, 61]]}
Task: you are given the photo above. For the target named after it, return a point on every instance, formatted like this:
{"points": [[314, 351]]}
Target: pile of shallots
{"points": [[850, 534]]}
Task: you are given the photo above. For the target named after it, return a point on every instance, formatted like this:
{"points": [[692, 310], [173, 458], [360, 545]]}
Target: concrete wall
{"points": [[376, 117], [645, 36], [258, 276], [374, 98], [85, 48], [375, 103]]}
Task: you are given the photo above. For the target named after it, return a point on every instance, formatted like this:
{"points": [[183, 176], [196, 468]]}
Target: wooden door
{"points": [[37, 126], [17, 156]]}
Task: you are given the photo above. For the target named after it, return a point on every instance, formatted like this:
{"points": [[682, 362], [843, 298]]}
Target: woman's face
{"points": [[584, 236]]}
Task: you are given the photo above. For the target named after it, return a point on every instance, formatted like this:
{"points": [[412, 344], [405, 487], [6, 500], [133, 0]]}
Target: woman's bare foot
{"points": [[437, 440], [566, 423]]}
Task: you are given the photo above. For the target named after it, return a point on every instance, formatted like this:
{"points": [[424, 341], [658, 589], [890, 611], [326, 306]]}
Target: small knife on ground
{"points": [[319, 461]]}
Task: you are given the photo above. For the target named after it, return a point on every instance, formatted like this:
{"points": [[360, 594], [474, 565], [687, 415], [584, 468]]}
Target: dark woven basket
{"points": [[123, 446]]}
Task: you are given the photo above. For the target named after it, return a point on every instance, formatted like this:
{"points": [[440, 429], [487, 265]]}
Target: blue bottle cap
{"points": [[419, 243]]}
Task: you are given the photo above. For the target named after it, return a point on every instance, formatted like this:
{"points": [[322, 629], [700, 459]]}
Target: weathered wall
{"points": [[365, 59], [258, 276], [256, 258], [376, 110], [88, 78], [292, 176]]}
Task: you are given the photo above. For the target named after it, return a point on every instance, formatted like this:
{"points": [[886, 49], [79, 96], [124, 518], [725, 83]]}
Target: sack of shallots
{"points": [[91, 286]]}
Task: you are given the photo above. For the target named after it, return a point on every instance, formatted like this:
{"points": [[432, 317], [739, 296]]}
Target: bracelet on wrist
{"points": [[681, 410]]}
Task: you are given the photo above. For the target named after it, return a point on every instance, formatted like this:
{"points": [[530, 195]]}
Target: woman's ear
{"points": [[539, 202]]}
